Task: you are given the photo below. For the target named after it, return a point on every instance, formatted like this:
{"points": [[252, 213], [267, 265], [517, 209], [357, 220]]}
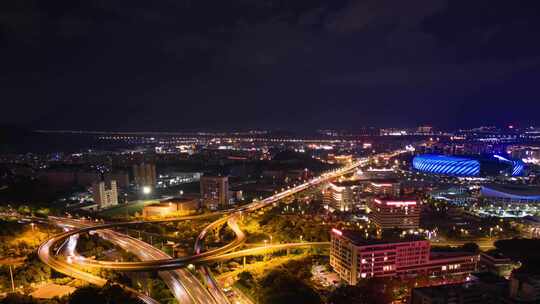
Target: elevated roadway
{"points": [[160, 261]]}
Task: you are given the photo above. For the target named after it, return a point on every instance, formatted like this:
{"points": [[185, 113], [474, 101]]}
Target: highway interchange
{"points": [[183, 284]]}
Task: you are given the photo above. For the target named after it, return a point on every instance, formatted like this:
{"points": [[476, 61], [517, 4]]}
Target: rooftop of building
{"points": [[435, 291], [382, 181], [174, 200], [489, 278], [495, 254], [441, 255], [347, 183], [359, 239], [396, 201], [356, 182], [442, 157], [514, 190]]}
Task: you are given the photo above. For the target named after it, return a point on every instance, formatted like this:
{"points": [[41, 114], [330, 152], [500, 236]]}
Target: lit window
{"points": [[363, 275], [443, 268]]}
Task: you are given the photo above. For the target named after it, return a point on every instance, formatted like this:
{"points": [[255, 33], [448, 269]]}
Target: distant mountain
{"points": [[15, 139]]}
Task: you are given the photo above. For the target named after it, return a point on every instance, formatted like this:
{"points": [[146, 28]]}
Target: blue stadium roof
{"points": [[474, 165], [447, 165]]}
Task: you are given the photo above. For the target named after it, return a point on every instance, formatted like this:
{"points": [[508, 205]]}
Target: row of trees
{"points": [[286, 227], [288, 283], [31, 271]]}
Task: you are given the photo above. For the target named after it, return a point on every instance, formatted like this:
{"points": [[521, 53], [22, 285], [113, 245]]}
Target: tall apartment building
{"points": [[104, 196], [144, 175], [355, 258], [394, 213], [214, 191]]}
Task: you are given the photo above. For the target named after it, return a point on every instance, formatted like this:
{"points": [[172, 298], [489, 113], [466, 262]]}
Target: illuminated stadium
{"points": [[468, 166], [512, 193]]}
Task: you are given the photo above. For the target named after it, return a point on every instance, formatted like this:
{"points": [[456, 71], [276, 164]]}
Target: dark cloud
{"points": [[266, 63]]}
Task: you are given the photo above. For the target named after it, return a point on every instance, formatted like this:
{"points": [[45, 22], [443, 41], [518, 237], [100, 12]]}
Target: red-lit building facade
{"points": [[394, 213], [355, 258]]}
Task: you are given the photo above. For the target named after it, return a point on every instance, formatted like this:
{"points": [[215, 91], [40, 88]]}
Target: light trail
{"points": [[164, 263]]}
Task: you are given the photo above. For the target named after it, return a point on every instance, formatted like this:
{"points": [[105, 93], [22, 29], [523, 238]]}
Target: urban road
{"points": [[183, 284]]}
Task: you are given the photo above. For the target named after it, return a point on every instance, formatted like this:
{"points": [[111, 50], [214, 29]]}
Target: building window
{"points": [[388, 268]]}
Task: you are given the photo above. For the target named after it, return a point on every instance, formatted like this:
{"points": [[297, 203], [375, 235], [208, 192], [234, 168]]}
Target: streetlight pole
{"points": [[12, 282]]}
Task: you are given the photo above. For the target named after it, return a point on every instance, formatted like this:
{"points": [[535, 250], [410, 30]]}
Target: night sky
{"points": [[288, 64]]}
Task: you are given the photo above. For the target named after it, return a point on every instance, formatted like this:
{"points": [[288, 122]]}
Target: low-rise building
{"points": [[355, 258], [480, 290], [497, 263], [174, 206]]}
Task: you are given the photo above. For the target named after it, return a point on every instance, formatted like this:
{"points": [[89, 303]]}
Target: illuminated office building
{"points": [[355, 258], [394, 213]]}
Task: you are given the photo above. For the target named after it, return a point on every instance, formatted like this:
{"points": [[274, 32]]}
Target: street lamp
{"points": [[146, 190]]}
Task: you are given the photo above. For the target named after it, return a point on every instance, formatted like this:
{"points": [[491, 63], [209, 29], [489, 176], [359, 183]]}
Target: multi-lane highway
{"points": [[187, 287], [63, 266]]}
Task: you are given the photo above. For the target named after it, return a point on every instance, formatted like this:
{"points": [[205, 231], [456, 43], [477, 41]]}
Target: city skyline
{"points": [[269, 152]]}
